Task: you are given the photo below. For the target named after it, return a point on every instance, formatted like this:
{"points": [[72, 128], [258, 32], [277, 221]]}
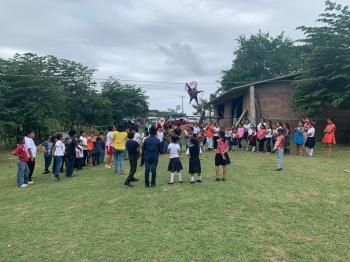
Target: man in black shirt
{"points": [[71, 145], [133, 152], [151, 148]]}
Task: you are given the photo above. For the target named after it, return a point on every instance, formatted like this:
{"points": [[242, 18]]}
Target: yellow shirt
{"points": [[119, 140]]}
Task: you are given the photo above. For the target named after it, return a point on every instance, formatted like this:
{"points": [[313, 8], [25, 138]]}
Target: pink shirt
{"points": [[240, 132], [222, 146]]}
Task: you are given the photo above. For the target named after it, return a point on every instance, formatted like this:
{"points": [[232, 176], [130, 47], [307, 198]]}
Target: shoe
{"points": [[181, 182], [128, 185], [278, 169], [45, 172], [170, 183], [134, 180], [199, 181], [223, 179], [109, 167], [192, 182], [31, 182], [217, 179], [23, 185]]}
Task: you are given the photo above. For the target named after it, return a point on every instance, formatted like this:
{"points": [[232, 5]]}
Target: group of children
{"points": [[90, 150]]}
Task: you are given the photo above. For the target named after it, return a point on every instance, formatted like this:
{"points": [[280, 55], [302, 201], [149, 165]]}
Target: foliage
{"points": [[259, 57], [44, 92], [327, 82], [201, 108]]}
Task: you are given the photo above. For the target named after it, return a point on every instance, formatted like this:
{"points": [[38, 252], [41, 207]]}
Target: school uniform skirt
{"points": [[219, 161], [194, 166], [310, 142], [175, 165]]}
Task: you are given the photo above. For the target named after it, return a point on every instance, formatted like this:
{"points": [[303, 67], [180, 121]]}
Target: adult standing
{"points": [[151, 149], [209, 133], [31, 148], [84, 142], [299, 138], [119, 140], [216, 135], [109, 146], [71, 145]]}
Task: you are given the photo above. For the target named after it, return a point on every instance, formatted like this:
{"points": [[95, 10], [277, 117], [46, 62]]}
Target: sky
{"points": [[149, 40]]}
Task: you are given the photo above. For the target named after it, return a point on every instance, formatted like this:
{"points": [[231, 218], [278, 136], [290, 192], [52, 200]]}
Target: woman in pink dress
{"points": [[329, 136]]}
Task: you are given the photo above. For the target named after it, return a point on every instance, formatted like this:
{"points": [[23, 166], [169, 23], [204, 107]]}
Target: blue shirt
{"points": [[151, 148], [48, 148]]}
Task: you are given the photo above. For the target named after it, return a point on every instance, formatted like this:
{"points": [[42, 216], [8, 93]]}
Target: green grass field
{"points": [[300, 214]]}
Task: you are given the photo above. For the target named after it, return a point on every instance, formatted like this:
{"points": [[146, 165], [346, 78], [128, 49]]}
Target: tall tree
{"points": [[261, 56], [327, 82]]}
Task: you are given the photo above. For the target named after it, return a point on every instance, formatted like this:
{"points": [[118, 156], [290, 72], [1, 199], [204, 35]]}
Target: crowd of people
{"points": [[122, 143]]}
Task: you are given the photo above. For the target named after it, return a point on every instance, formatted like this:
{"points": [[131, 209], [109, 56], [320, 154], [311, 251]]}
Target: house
{"points": [[271, 99]]}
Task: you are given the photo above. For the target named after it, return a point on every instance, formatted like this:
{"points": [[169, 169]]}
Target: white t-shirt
{"points": [[311, 132], [79, 153], [247, 126], [174, 150], [60, 148], [268, 133], [84, 142], [29, 144], [137, 137], [228, 133], [216, 131], [109, 137], [196, 130], [160, 136]]}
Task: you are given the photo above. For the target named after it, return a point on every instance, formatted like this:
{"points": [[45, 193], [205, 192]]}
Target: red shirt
{"points": [[261, 133], [22, 153], [280, 142]]}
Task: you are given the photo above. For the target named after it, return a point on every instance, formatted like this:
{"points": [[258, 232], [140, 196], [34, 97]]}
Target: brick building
{"points": [[271, 99]]}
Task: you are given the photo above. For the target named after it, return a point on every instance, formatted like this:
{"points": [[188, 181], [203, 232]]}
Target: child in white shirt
{"points": [[175, 165]]}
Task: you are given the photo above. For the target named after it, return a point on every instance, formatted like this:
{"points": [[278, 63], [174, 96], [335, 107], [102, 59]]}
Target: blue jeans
{"points": [[58, 165], [22, 174], [119, 156], [151, 166], [279, 155], [48, 160], [70, 165]]}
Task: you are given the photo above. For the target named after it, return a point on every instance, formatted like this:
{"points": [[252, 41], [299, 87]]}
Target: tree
{"points": [[327, 81], [260, 57], [127, 101], [201, 108]]}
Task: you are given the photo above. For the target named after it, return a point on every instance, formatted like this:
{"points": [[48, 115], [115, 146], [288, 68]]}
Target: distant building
{"points": [[271, 99]]}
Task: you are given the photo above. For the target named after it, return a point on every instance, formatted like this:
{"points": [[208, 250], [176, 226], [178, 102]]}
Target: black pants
{"points": [[133, 168], [151, 166], [240, 143], [70, 165], [96, 158], [261, 145], [215, 139], [79, 163], [142, 158], [85, 154], [268, 144], [31, 166]]}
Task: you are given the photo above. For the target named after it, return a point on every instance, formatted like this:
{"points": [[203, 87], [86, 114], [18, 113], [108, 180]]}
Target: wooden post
{"points": [[252, 110]]}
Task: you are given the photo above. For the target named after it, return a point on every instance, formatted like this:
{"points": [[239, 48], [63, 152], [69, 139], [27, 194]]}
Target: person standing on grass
{"points": [[79, 155], [97, 151], [31, 148], [23, 157], [240, 134], [151, 148], [58, 153], [221, 157], [103, 147], [286, 136], [109, 146], [47, 146], [329, 136], [279, 148], [133, 148], [209, 133], [216, 135], [175, 165], [195, 162], [83, 138], [71, 146], [119, 141], [268, 138], [261, 133], [310, 139], [299, 138]]}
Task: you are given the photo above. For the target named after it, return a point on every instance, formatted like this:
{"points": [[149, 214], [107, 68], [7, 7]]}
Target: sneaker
{"points": [[223, 179], [181, 182], [45, 172], [199, 181], [217, 179], [134, 180], [278, 169], [128, 185], [192, 182], [109, 167], [31, 182], [23, 185], [170, 183]]}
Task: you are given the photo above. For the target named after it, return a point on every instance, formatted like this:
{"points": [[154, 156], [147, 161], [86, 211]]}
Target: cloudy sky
{"points": [[156, 40]]}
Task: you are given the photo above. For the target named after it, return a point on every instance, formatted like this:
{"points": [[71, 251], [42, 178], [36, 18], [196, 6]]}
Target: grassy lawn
{"points": [[300, 214]]}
